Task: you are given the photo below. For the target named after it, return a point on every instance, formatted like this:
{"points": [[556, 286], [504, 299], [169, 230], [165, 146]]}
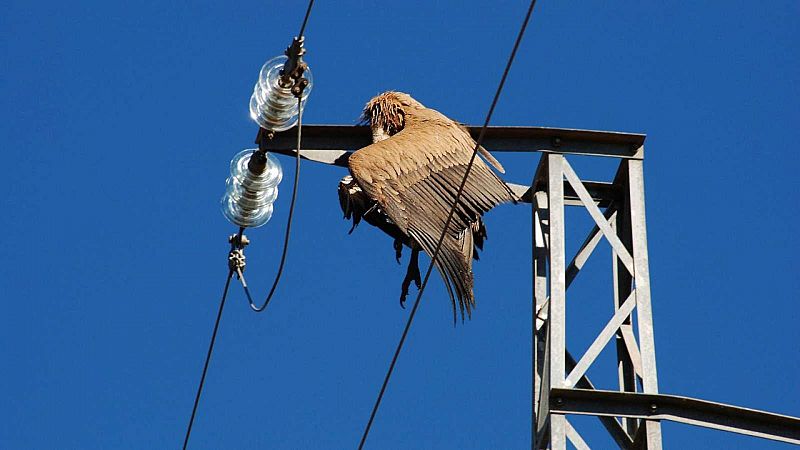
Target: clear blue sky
{"points": [[117, 123]]}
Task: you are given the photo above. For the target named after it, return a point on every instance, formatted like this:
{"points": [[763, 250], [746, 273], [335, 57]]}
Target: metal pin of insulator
{"points": [[273, 106], [249, 196]]}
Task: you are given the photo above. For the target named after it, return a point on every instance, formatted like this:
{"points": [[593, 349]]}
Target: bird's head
{"points": [[387, 113]]}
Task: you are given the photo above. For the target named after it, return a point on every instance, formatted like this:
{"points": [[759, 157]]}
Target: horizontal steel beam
{"points": [[603, 193], [687, 410], [330, 143]]}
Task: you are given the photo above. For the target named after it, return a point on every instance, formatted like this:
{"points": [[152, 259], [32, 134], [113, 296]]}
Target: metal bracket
{"points": [[295, 66]]}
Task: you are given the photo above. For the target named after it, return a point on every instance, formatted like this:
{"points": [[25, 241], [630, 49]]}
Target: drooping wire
{"points": [[211, 344], [237, 242], [447, 224], [288, 221]]}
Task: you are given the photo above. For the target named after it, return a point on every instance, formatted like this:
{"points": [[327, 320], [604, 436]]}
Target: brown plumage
{"points": [[405, 184]]}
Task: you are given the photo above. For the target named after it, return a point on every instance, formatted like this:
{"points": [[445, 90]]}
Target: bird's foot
{"points": [[398, 250], [404, 292], [412, 274]]}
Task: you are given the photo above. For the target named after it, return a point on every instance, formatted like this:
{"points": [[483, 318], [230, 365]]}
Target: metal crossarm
{"points": [[331, 144]]}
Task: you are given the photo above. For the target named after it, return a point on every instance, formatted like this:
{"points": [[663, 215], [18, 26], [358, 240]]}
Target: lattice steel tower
{"points": [[631, 414]]}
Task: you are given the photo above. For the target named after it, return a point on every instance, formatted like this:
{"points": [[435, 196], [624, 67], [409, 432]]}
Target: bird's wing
{"points": [[353, 201], [414, 176], [485, 153], [357, 205]]}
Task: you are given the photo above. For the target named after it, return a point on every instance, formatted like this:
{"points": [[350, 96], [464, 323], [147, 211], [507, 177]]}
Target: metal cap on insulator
{"points": [[258, 162]]}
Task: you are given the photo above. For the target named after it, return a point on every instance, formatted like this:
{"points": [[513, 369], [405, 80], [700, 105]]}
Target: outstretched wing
{"points": [[414, 176]]}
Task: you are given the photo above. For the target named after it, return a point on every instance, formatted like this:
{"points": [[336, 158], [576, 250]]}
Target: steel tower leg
{"points": [[555, 371]]}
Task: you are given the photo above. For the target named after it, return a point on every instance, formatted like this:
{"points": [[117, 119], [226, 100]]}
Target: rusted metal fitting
{"points": [[258, 162], [238, 241], [299, 86], [263, 137], [294, 67], [236, 261]]}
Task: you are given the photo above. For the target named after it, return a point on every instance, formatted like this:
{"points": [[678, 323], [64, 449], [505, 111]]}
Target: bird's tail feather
{"points": [[454, 264]]}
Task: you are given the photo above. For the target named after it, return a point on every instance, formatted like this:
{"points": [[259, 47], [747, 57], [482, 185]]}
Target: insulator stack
{"points": [[272, 105], [248, 197]]}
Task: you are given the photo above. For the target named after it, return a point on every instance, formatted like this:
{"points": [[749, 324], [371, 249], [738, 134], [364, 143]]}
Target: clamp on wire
{"points": [[236, 258], [295, 67]]}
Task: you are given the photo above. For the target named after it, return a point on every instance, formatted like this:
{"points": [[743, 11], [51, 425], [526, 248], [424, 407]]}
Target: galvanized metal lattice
{"points": [[622, 224], [561, 387]]}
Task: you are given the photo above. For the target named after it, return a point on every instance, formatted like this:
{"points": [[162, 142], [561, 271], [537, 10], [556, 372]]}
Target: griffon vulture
{"points": [[405, 183]]}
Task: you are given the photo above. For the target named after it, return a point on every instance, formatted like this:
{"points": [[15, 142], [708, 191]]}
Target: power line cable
{"points": [[305, 19], [446, 225], [211, 344], [534, 314]]}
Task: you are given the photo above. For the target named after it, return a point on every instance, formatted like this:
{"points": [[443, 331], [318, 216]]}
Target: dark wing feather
{"points": [[356, 204], [353, 201], [414, 177]]}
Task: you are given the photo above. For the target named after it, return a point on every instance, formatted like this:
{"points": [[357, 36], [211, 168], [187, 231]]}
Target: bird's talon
{"points": [[403, 295], [398, 250]]}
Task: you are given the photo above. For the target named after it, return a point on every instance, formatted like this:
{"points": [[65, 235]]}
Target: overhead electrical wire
{"points": [[446, 225], [211, 344], [305, 19], [236, 243]]}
